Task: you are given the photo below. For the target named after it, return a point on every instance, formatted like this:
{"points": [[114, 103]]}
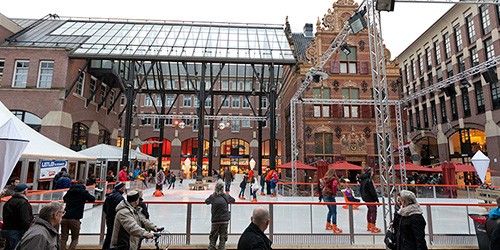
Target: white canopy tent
{"points": [[109, 152]]}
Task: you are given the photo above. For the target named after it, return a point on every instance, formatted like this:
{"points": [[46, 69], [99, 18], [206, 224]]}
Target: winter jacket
{"points": [[109, 207], [220, 204], [9, 190], [160, 177], [493, 228], [17, 213], [41, 236], [243, 183], [144, 208], [130, 227], [63, 182], [228, 175], [368, 193], [122, 175], [75, 200], [410, 234], [269, 175], [331, 187], [253, 238], [137, 172]]}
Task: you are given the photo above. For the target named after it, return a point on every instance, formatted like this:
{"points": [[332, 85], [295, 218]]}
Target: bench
{"points": [[198, 185], [355, 207], [487, 195], [209, 179]]}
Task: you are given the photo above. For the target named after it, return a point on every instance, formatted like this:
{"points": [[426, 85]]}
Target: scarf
{"points": [[410, 210]]}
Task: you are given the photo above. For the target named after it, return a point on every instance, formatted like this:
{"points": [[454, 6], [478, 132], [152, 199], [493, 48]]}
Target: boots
{"points": [[328, 226], [335, 229], [254, 200], [369, 227], [375, 229], [262, 193]]}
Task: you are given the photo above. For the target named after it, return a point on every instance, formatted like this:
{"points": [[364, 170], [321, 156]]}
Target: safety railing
{"points": [[292, 223]]}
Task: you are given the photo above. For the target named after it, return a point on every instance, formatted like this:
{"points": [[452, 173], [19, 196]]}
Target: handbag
{"points": [[390, 239]]}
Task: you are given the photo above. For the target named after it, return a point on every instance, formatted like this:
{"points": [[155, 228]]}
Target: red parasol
{"points": [[343, 165], [298, 165]]}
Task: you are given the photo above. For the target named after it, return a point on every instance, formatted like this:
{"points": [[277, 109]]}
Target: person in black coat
{"points": [[17, 216], [109, 208], [493, 226], [368, 194], [253, 237], [410, 234], [75, 200]]}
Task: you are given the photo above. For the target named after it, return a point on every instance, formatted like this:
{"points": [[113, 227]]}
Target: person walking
{"points": [[493, 226], [253, 237], [329, 192], [368, 194], [220, 216], [122, 175], [243, 186], [130, 226], [17, 216], [172, 181], [228, 178], [44, 232], [109, 209], [75, 200], [410, 233]]}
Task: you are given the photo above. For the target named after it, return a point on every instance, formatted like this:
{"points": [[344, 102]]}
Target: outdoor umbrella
{"points": [[344, 165], [412, 167], [298, 165]]}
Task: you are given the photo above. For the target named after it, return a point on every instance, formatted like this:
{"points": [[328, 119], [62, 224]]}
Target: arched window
{"points": [[79, 136], [465, 143], [235, 154], [30, 119], [104, 137]]}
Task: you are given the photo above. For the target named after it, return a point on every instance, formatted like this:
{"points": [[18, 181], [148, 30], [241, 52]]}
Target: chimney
{"points": [[308, 30]]}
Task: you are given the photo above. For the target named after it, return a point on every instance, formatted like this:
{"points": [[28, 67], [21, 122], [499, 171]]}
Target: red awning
{"points": [[298, 165], [343, 165], [412, 167]]}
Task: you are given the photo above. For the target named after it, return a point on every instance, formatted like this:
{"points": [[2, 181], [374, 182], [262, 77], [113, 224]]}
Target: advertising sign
{"points": [[48, 169]]}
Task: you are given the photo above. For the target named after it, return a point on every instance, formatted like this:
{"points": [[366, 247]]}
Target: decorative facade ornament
{"points": [[350, 84], [361, 44], [311, 50], [364, 86], [336, 85], [353, 142], [368, 132], [394, 86], [338, 132], [308, 131]]}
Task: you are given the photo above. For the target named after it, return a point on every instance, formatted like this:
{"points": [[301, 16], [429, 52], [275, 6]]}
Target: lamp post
{"points": [[252, 164], [187, 164]]}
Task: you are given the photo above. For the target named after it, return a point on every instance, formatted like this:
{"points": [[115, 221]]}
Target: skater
{"points": [[320, 189], [172, 181], [243, 186], [228, 178], [254, 188], [220, 216], [181, 177], [348, 191], [368, 194], [160, 178], [262, 183], [274, 182], [329, 193]]}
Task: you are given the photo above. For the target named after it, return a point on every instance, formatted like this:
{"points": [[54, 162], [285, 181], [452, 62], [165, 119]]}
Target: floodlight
{"points": [[357, 21], [182, 124], [465, 84], [385, 5], [345, 49]]}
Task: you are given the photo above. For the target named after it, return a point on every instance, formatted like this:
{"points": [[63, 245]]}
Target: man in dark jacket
{"points": [[75, 200], [368, 194], [493, 226], [253, 237], [9, 189], [228, 178], [220, 216], [17, 216], [64, 181], [109, 208]]}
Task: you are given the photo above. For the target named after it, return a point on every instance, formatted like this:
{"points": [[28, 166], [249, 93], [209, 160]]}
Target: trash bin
{"points": [[480, 226]]}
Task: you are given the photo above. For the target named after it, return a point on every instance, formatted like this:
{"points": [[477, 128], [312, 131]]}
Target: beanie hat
{"points": [[132, 196], [20, 187], [119, 185]]}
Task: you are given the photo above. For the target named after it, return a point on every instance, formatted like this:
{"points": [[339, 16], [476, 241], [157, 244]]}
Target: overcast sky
{"points": [[399, 28]]}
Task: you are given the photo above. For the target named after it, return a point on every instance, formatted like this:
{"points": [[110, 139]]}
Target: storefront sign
{"points": [[48, 169]]}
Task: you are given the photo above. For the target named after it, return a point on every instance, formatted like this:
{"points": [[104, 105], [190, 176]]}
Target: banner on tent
{"points": [[49, 168]]}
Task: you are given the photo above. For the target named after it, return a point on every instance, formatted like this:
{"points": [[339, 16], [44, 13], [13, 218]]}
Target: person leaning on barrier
{"points": [[17, 216], [9, 189], [493, 226], [109, 208], [130, 225], [410, 234], [220, 216], [75, 200], [253, 237], [44, 232]]}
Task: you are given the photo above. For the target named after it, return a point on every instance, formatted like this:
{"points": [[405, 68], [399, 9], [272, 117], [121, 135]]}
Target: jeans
{"points": [[371, 215], [13, 237], [242, 192], [253, 193], [218, 231], [109, 232], [66, 226], [331, 216], [228, 186], [268, 187]]}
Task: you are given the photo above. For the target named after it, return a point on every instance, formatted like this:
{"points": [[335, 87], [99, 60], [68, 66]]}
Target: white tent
{"points": [[114, 153], [39, 146], [12, 144]]}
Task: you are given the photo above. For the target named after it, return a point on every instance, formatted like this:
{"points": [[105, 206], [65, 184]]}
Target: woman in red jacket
{"points": [[329, 192]]}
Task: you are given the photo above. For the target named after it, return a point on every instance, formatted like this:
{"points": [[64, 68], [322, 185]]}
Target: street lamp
{"points": [[252, 164], [187, 164]]}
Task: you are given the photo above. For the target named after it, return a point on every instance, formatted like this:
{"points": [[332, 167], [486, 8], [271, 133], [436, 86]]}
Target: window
{"points": [[439, 74], [103, 93], [146, 121], [465, 102], [148, 101], [323, 143], [123, 99], [111, 98], [471, 32], [235, 101], [235, 126], [474, 59], [434, 113], [45, 74], [350, 110], [21, 74], [225, 101], [245, 123], [80, 83], [321, 111], [429, 78], [169, 100], [407, 74], [442, 105], [224, 85], [104, 137], [428, 57], [151, 83], [246, 103], [461, 63], [417, 118], [196, 101], [413, 70], [187, 101], [478, 89], [29, 119], [79, 136], [447, 45], [437, 51], [485, 18], [93, 88], [410, 120], [489, 49], [454, 110], [208, 102], [348, 62], [263, 102], [495, 94], [2, 65], [425, 115], [458, 37], [420, 63], [449, 70], [158, 101], [157, 123]]}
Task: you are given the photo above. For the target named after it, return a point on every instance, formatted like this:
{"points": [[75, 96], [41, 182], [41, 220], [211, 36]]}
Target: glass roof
{"points": [[169, 41]]}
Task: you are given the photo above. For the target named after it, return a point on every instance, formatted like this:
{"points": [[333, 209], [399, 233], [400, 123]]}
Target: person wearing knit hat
{"points": [[130, 226], [119, 185]]}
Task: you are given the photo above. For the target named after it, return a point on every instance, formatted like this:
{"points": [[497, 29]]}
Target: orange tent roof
{"points": [[298, 165], [343, 165], [412, 167]]}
